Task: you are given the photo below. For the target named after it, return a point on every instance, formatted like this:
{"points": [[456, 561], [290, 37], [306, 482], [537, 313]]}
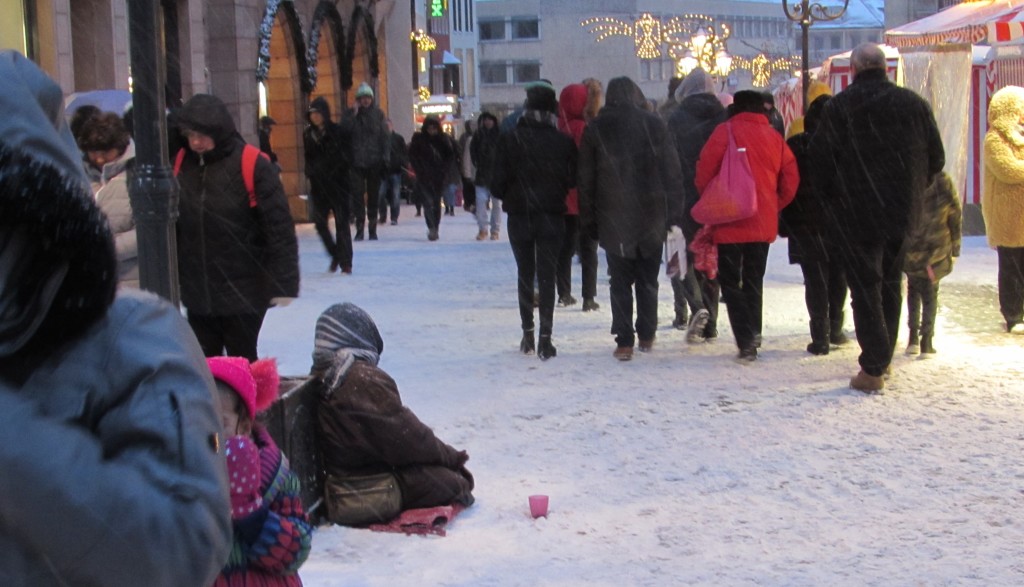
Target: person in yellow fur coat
{"points": [[814, 91], [1002, 199]]}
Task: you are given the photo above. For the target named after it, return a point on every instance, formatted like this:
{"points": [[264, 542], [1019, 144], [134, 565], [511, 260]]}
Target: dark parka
{"points": [[370, 145], [934, 238], [232, 258], [535, 165], [110, 471], [431, 156], [325, 149], [882, 149], [482, 149], [365, 429], [805, 220], [691, 123], [629, 181]]}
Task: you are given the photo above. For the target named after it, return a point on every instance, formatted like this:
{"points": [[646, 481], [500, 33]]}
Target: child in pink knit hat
{"points": [[271, 533]]}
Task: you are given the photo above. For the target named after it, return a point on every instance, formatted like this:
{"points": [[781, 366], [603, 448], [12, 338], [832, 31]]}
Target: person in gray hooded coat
{"points": [[108, 434]]}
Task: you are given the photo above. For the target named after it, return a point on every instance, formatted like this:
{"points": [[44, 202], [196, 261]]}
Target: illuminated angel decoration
{"points": [[696, 33]]}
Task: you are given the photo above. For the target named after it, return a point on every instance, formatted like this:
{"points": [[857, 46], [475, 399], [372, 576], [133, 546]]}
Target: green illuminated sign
{"points": [[437, 7]]}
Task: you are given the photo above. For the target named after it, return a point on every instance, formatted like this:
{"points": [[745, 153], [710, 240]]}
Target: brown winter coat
{"points": [[365, 429], [934, 239], [1002, 192]]}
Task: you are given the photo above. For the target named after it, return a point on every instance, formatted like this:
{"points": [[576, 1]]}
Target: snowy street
{"points": [[681, 467]]}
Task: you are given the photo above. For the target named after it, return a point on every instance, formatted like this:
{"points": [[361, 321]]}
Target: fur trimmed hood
{"points": [[1004, 113], [57, 259]]}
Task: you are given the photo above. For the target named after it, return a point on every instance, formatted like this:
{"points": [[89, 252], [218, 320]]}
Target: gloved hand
{"points": [[280, 302], [244, 475]]}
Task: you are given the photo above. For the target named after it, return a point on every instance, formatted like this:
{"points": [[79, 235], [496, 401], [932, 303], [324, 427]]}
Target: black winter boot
{"points": [[835, 330], [819, 337], [527, 346], [545, 350]]}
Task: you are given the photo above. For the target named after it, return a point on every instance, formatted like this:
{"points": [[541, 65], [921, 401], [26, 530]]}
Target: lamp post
{"points": [[806, 13], [153, 192]]}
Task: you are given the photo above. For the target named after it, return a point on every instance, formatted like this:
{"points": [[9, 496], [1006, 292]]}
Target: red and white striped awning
{"points": [[1007, 28], [968, 22]]}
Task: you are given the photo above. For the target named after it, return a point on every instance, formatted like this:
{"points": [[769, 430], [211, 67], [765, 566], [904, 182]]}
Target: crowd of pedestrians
{"points": [[858, 189]]}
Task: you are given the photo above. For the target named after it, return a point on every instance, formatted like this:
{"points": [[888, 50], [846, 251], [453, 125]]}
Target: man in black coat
{"points": [[884, 147], [235, 259], [327, 166], [630, 192]]}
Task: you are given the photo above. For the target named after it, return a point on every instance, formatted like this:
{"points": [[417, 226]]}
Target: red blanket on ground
{"points": [[422, 521]]}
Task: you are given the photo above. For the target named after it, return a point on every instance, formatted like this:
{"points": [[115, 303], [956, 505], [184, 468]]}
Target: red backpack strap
{"points": [[250, 155], [178, 158]]}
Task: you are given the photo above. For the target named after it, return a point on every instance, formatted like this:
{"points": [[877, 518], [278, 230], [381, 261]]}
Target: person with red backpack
{"points": [[237, 251]]}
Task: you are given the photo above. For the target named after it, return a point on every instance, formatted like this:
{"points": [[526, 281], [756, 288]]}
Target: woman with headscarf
{"points": [[379, 457]]}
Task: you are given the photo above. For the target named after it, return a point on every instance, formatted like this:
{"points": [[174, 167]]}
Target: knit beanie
{"points": [[541, 96], [364, 89], [257, 383]]}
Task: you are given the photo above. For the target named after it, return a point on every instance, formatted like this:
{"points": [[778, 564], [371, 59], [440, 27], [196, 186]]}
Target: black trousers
{"points": [[536, 240], [625, 275], [431, 201], [824, 292], [328, 198], [1011, 284], [235, 335], [365, 194], [577, 242], [741, 274], [874, 272]]}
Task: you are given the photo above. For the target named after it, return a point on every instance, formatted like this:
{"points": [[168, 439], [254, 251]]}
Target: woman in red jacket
{"points": [[743, 244]]}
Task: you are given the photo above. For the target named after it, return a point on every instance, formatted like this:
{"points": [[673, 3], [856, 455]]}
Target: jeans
{"points": [[390, 195], [449, 197], [625, 274], [483, 196], [536, 239], [431, 201]]}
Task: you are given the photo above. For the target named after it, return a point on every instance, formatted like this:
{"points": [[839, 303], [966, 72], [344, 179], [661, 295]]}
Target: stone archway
{"points": [[362, 55], [282, 68], [326, 55]]}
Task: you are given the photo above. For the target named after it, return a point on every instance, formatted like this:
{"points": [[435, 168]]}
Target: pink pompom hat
{"points": [[257, 383]]}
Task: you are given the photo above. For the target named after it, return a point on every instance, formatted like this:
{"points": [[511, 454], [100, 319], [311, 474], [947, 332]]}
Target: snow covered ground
{"points": [[681, 467]]}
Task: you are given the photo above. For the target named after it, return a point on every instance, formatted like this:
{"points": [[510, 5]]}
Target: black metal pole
{"points": [[153, 191], [805, 73]]}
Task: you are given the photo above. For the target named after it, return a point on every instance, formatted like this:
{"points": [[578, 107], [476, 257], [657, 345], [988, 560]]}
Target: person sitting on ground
{"points": [[380, 459], [271, 532]]}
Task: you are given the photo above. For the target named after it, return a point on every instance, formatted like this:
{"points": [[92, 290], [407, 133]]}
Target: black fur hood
{"points": [[57, 264]]}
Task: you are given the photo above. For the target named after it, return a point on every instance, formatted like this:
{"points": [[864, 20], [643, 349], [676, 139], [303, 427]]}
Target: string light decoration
{"points": [[700, 35], [764, 66], [424, 93], [424, 42]]}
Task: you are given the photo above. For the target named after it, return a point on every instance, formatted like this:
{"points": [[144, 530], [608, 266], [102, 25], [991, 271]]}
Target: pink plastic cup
{"points": [[539, 506]]}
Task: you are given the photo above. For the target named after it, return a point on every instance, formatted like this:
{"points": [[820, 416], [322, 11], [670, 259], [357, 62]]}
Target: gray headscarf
{"points": [[696, 82], [344, 334]]}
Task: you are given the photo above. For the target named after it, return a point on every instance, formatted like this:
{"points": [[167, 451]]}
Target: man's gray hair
{"points": [[867, 56]]}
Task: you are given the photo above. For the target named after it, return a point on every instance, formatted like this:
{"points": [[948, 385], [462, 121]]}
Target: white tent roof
{"points": [[963, 23]]}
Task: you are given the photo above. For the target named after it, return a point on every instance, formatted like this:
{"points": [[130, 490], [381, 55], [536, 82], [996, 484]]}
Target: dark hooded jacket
{"points": [[884, 149], [232, 258], [691, 124], [630, 184], [326, 148], [431, 156], [482, 149], [370, 139], [535, 166], [106, 405]]}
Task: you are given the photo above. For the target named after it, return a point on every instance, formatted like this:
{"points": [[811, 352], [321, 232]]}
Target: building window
{"points": [[525, 72], [834, 41], [525, 28], [492, 30], [493, 73]]}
